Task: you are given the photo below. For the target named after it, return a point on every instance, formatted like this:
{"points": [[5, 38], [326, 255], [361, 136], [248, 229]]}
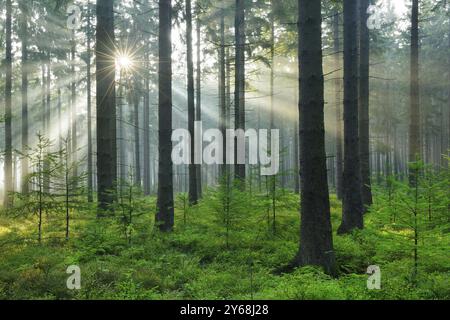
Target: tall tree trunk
{"points": [[338, 101], [448, 83], [48, 95], [198, 106], [60, 146], [193, 194], [273, 180], [165, 213], [364, 133], [8, 168], [146, 139], [414, 125], [316, 243], [296, 155], [106, 104], [46, 112], [43, 100], [228, 103], [239, 100], [73, 110], [121, 123], [89, 110], [137, 138], [352, 217], [222, 93], [24, 37]]}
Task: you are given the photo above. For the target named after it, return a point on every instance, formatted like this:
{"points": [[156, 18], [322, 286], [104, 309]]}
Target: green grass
{"points": [[193, 262]]}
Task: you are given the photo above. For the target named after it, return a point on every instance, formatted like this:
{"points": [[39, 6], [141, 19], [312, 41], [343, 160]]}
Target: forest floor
{"points": [[194, 262]]}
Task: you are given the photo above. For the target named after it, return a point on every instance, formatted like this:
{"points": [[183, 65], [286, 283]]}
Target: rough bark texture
{"points": [[239, 99], [165, 211], [24, 38], [193, 194], [338, 101], [352, 217], [316, 244], [364, 138], [8, 115], [296, 147], [106, 104], [414, 125]]}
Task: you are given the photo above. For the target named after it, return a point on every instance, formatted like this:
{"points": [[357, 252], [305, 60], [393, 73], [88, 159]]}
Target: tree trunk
{"points": [[89, 110], [239, 99], [222, 93], [46, 113], [414, 125], [147, 165], [137, 139], [352, 217], [198, 107], [60, 146], [73, 110], [193, 194], [316, 244], [364, 133], [106, 104], [48, 96], [121, 123], [338, 101], [146, 140], [448, 128], [43, 100], [165, 213], [24, 37], [272, 120], [296, 149], [8, 168]]}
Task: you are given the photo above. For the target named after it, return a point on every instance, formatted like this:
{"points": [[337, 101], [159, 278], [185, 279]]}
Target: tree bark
{"points": [[147, 165], [106, 104], [338, 101], [165, 213], [222, 92], [137, 138], [414, 125], [48, 95], [316, 243], [73, 110], [24, 37], [89, 110], [364, 123], [296, 156], [193, 194], [122, 154], [239, 99], [352, 217], [198, 107], [448, 123], [8, 167]]}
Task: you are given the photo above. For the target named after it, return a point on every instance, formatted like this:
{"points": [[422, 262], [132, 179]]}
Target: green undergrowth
{"points": [[195, 261]]}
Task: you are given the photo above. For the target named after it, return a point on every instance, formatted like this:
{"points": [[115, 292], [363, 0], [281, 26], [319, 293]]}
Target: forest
{"points": [[225, 150]]}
